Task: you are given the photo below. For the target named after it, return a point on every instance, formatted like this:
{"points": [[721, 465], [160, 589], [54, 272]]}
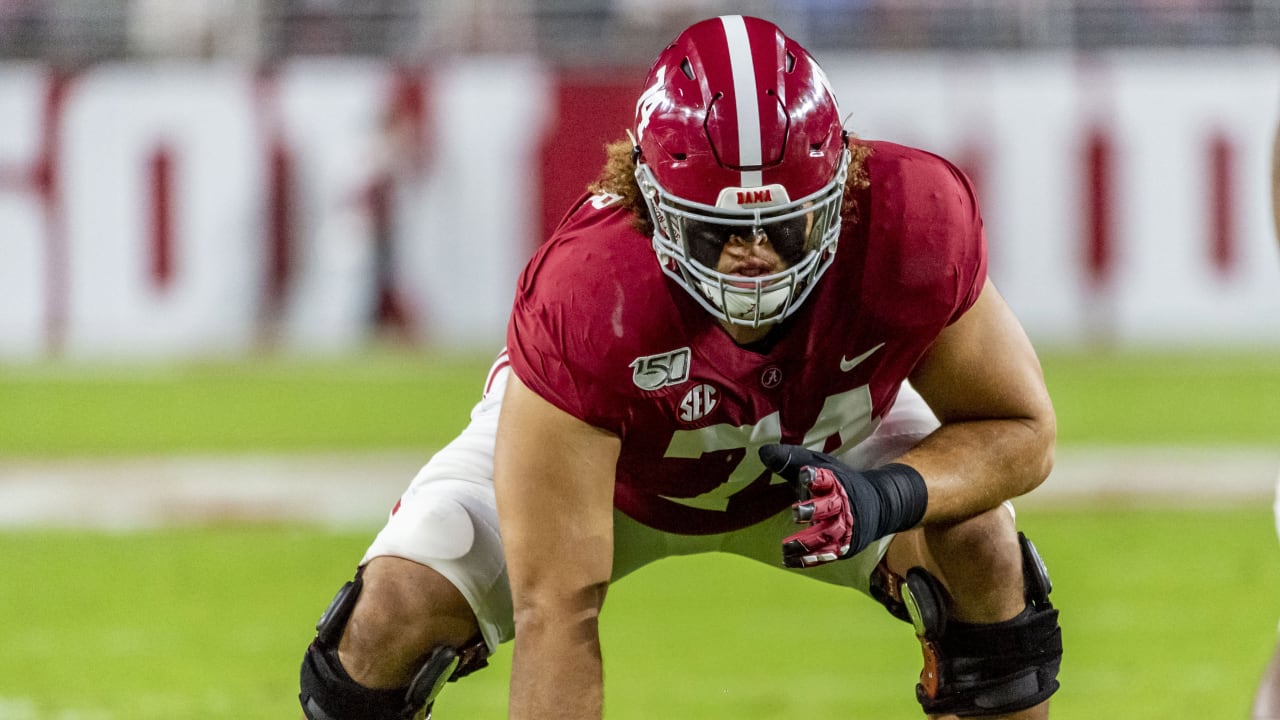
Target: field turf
{"points": [[401, 400], [1167, 614]]}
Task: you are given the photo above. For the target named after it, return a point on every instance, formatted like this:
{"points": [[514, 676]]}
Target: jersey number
{"points": [[846, 415]]}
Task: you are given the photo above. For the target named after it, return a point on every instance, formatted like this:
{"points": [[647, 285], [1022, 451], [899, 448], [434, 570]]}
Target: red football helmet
{"points": [[738, 132]]}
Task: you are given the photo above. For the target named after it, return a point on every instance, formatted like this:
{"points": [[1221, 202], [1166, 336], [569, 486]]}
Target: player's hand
{"points": [[826, 505], [843, 510]]}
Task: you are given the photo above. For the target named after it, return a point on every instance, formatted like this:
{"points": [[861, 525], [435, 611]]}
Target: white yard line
{"points": [[1161, 476], [124, 493], [358, 489]]}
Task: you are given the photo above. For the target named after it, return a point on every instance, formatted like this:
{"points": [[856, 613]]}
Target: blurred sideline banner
{"points": [[196, 210]]}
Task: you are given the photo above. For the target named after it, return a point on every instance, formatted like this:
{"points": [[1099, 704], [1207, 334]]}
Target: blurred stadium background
{"points": [[218, 177], [255, 254], [587, 31]]}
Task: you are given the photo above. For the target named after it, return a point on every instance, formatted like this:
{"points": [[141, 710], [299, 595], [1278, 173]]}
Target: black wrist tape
{"points": [[903, 496]]}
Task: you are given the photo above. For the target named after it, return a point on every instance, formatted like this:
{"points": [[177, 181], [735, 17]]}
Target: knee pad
{"points": [[327, 691], [981, 669]]}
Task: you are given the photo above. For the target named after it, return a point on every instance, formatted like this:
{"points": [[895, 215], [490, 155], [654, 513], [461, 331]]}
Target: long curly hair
{"points": [[618, 177]]}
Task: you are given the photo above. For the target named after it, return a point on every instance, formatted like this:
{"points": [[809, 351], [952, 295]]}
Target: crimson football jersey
{"points": [[600, 332]]}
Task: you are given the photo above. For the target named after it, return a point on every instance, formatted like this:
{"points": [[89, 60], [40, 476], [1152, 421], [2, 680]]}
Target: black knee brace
{"points": [[988, 669], [329, 693]]}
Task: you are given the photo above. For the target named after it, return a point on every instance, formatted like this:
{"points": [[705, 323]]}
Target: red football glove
{"points": [[844, 510], [823, 506]]}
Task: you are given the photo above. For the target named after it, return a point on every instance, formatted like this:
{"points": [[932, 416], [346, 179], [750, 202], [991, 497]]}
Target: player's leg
{"points": [[977, 593], [992, 645], [980, 567], [430, 601], [978, 560], [403, 611], [431, 597], [388, 642], [1266, 701]]}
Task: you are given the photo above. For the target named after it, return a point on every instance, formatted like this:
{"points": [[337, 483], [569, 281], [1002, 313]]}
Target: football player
{"points": [[759, 335], [1266, 702]]}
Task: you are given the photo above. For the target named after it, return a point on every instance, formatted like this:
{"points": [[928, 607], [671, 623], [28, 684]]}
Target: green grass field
{"points": [[398, 400], [1167, 614]]}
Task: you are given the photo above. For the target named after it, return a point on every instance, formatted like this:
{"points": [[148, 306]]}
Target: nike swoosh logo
{"points": [[847, 364]]}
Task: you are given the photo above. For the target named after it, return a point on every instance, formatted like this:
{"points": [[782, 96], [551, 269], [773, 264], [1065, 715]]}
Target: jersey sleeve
{"points": [[558, 334], [928, 249], [537, 359], [970, 250]]}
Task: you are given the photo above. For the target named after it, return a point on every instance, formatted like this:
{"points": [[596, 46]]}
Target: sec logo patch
{"points": [[697, 403]]}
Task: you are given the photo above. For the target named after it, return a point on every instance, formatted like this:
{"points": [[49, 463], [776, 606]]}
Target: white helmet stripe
{"points": [[744, 90]]}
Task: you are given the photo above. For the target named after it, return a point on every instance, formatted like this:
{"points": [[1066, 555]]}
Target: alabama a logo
{"points": [[649, 101], [657, 371]]}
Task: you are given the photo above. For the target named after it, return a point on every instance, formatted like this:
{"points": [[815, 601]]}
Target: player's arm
{"points": [[554, 478], [983, 380]]}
